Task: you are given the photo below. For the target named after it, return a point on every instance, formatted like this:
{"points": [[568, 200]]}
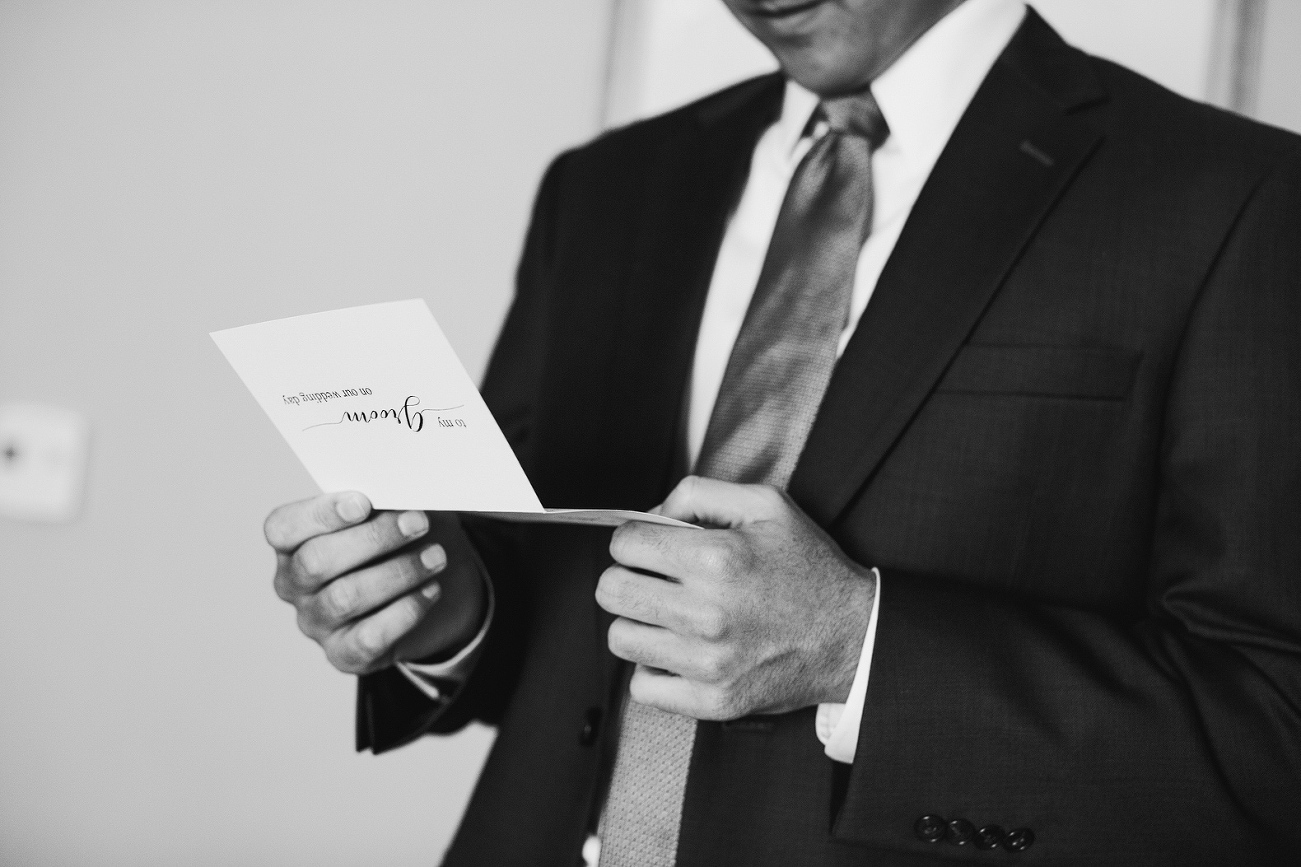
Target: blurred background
{"points": [[172, 168]]}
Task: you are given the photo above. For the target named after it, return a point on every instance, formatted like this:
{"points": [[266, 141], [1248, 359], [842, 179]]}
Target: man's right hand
{"points": [[375, 587]]}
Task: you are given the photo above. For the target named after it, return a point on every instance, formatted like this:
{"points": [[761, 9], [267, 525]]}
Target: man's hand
{"points": [[364, 583], [765, 615]]}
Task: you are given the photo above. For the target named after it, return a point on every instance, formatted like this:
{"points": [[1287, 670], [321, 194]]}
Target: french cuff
{"points": [[837, 724], [438, 680]]}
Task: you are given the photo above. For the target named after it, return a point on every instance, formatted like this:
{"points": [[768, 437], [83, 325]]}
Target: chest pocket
{"points": [[1085, 372]]}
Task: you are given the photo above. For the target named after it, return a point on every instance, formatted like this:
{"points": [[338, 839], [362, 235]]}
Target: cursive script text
{"points": [[407, 416]]}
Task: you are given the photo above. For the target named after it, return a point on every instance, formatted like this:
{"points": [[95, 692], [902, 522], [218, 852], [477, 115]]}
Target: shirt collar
{"points": [[923, 94]]}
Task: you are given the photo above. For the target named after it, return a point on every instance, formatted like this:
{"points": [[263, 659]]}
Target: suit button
{"points": [[959, 832], [989, 837], [930, 829], [591, 727], [1018, 840]]}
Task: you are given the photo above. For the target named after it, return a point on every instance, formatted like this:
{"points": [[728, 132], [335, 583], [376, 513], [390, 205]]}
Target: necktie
{"points": [[774, 381]]}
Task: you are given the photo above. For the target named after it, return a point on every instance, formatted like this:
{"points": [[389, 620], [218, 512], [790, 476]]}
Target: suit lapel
{"points": [[695, 183], [1009, 159]]}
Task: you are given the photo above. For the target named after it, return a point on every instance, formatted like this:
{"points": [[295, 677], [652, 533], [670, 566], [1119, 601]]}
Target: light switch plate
{"points": [[43, 453]]}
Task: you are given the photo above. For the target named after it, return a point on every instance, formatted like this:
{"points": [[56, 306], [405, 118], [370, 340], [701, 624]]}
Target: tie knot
{"points": [[856, 114]]}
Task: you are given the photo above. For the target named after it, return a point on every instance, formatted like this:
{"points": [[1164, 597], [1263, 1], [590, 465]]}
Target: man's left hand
{"points": [[764, 614]]}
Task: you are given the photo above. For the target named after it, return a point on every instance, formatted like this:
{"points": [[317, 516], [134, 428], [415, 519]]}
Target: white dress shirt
{"points": [[922, 95]]}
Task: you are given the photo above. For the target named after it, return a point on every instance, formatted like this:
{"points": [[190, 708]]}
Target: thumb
{"points": [[714, 503]]}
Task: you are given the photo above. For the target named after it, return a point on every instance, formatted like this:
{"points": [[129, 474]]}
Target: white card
{"points": [[374, 399]]}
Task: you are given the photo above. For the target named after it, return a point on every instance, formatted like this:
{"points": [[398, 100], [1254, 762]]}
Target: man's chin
{"points": [[824, 79]]}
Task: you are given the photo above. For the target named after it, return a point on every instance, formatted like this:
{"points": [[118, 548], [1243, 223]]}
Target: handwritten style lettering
{"points": [[407, 416]]}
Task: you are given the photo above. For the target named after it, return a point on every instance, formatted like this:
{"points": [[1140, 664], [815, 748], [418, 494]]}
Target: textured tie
{"points": [[775, 379]]}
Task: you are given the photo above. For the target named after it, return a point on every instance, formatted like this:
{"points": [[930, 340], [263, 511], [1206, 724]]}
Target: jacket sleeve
{"points": [[1172, 738], [390, 710]]}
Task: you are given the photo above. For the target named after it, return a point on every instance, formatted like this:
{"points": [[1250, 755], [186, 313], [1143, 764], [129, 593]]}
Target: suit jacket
{"points": [[1066, 429]]}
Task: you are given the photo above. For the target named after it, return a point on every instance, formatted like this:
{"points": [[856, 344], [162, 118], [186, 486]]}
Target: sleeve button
{"points": [[989, 837], [1018, 840], [930, 829], [960, 832]]}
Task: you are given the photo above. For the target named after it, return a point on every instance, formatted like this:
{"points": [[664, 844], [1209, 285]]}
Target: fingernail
{"points": [[351, 509], [431, 591], [434, 558], [412, 523]]}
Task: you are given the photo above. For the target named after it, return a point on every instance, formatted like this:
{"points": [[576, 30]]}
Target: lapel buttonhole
{"points": [[1028, 148]]}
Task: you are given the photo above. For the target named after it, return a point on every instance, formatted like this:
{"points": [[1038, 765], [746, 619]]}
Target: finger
{"points": [[646, 645], [715, 503], [686, 554], [294, 523], [667, 651], [367, 645], [359, 593], [654, 547], [640, 597], [321, 559], [680, 695], [663, 605]]}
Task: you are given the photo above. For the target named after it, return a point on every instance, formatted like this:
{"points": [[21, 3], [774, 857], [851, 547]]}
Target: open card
{"points": [[374, 399]]}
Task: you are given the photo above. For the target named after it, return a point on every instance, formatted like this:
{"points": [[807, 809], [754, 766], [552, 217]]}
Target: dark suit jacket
{"points": [[1067, 429]]}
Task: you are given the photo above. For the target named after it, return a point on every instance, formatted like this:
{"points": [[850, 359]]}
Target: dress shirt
{"points": [[922, 95]]}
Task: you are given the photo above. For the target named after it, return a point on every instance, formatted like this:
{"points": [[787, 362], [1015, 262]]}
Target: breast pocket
{"points": [[1087, 372], [1015, 452]]}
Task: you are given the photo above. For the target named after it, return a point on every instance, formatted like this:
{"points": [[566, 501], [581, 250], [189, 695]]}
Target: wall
{"points": [[167, 169], [1278, 94]]}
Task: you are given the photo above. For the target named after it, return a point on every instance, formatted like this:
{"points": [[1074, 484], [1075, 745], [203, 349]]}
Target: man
{"points": [[1025, 580]]}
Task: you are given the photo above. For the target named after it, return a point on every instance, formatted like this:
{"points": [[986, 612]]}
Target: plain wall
{"points": [[170, 168], [1278, 96]]}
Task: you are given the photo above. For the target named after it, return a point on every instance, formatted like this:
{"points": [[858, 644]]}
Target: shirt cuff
{"points": [[837, 724], [437, 680]]}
